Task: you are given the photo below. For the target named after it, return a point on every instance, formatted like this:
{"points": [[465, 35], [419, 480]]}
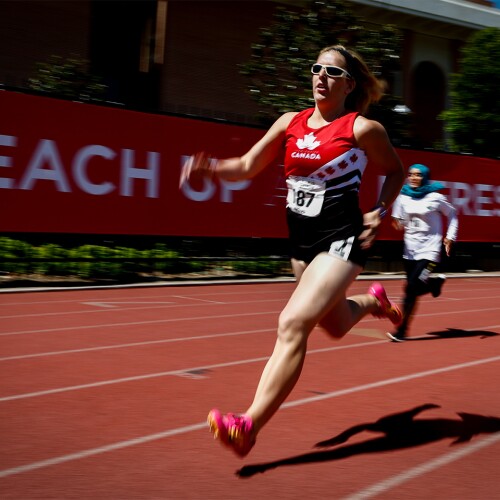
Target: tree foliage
{"points": [[68, 78], [473, 119], [279, 68]]}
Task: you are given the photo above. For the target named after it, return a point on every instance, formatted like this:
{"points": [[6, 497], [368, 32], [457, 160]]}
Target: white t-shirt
{"points": [[423, 224]]}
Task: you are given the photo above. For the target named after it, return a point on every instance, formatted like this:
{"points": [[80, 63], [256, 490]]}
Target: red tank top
{"points": [[329, 153]]}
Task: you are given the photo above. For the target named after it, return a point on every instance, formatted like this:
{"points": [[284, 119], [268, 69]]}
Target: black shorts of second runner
{"points": [[346, 249]]}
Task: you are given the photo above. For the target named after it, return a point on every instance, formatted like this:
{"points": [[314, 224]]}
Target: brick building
{"points": [[182, 56]]}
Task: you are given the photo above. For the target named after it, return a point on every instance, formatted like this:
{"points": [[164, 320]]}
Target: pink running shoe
{"points": [[387, 309], [234, 431]]}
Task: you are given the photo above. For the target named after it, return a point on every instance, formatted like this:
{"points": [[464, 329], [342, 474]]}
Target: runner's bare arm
{"points": [[247, 166]]}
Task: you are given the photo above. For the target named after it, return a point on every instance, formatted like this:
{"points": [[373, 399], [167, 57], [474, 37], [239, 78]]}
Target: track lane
{"points": [[187, 465]]}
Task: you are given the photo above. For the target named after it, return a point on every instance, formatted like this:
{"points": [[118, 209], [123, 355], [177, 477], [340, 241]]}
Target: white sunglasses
{"points": [[331, 71]]}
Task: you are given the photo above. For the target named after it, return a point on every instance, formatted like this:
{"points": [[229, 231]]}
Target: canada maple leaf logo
{"points": [[308, 142]]}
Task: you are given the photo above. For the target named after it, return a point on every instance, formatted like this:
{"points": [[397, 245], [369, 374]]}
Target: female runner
{"points": [[326, 150]]}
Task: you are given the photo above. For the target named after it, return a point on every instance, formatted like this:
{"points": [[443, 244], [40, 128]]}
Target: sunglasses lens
{"points": [[333, 71], [316, 68]]}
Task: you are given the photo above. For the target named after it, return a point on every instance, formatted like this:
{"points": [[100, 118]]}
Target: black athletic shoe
{"points": [[395, 337], [437, 285]]}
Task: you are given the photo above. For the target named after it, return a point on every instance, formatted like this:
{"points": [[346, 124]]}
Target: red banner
{"points": [[68, 167]]}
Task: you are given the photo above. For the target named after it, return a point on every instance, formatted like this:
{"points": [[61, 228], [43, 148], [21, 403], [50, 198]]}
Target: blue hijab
{"points": [[425, 188]]}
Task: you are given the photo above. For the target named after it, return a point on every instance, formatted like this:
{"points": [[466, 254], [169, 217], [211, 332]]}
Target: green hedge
{"points": [[118, 262], [86, 261]]}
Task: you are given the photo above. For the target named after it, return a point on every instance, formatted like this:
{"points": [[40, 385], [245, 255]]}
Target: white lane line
{"points": [[196, 318], [116, 303], [213, 293], [420, 470], [374, 333], [195, 427], [134, 344], [136, 323], [105, 304], [395, 380], [102, 306], [318, 397], [454, 283], [102, 449], [147, 303], [187, 297], [488, 285], [178, 373]]}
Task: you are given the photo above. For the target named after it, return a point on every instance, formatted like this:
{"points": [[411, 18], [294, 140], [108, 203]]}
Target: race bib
{"points": [[305, 196], [341, 248]]}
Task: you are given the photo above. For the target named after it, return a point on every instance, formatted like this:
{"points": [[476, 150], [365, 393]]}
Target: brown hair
{"points": [[368, 88]]}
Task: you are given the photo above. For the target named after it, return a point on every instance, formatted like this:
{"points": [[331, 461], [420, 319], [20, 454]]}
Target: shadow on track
{"points": [[454, 333], [400, 430]]}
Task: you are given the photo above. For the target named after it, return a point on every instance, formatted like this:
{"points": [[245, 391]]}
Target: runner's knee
{"points": [[292, 328]]}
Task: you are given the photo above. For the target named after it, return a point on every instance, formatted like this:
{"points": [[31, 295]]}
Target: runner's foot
{"points": [[234, 431], [387, 309]]}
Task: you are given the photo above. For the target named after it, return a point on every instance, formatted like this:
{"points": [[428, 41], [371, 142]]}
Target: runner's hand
{"points": [[371, 223], [197, 166], [447, 246]]}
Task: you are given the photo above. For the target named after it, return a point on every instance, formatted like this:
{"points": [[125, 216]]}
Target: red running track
{"points": [[104, 394]]}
